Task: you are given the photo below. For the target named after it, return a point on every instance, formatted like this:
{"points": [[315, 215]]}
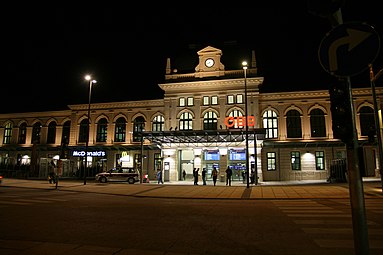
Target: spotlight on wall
{"points": [[170, 129]]}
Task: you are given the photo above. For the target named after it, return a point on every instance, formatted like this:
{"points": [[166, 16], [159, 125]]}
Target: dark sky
{"points": [[49, 49]]}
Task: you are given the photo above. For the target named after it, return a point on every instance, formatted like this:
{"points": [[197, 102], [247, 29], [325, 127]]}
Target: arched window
{"points": [[210, 121], [138, 126], [270, 122], [120, 130], [293, 124], [102, 130], [317, 123], [51, 137], [66, 133], [84, 133], [186, 121], [158, 123], [7, 133], [36, 133], [22, 133], [367, 120], [235, 113]]}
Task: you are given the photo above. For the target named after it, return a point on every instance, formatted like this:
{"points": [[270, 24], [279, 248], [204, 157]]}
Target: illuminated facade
{"points": [[198, 124]]}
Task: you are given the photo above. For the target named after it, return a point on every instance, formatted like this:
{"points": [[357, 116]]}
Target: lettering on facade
{"points": [[239, 121], [90, 153]]}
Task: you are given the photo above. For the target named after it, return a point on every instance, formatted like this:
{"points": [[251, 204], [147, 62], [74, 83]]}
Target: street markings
{"points": [[329, 226]]}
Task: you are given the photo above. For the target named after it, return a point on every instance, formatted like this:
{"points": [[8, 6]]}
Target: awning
{"points": [[229, 137]]}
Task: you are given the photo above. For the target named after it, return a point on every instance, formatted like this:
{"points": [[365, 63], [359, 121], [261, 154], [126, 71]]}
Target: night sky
{"points": [[47, 50]]}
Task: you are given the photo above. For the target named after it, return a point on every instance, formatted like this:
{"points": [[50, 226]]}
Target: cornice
{"points": [[119, 105], [45, 114], [210, 85], [307, 95]]}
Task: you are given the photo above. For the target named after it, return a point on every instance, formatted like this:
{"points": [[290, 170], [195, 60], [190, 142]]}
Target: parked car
{"points": [[129, 175]]}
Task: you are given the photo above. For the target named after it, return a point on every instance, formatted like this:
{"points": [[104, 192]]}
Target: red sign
{"points": [[240, 121]]}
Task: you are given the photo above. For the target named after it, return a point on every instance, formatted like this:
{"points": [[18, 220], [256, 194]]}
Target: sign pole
{"points": [[358, 209]]}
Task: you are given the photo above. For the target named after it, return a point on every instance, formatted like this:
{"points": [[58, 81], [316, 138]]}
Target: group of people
{"points": [[196, 175], [214, 175]]}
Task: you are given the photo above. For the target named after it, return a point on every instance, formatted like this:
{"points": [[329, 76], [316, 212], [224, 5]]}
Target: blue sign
{"points": [[348, 49]]}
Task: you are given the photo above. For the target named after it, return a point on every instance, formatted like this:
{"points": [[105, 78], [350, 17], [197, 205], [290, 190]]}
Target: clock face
{"points": [[209, 62]]}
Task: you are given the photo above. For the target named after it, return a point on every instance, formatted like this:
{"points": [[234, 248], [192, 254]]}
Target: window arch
{"points": [[138, 126], [22, 133], [293, 124], [51, 137], [102, 130], [66, 133], [186, 121], [270, 123], [158, 123], [367, 120], [210, 121], [8, 133], [235, 113], [83, 133], [36, 133], [317, 123], [120, 130]]}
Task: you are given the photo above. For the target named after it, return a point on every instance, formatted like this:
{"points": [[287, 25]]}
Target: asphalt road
{"points": [[70, 221]]}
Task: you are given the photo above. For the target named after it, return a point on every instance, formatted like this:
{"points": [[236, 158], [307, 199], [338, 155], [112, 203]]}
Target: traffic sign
{"points": [[348, 49]]}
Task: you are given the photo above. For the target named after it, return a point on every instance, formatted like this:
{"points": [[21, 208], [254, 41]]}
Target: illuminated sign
{"points": [[239, 121], [90, 153]]}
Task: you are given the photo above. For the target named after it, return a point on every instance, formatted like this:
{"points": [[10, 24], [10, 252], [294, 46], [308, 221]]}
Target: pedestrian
{"points": [[214, 174], [159, 177], [195, 175], [204, 176], [184, 174], [229, 173], [252, 176]]}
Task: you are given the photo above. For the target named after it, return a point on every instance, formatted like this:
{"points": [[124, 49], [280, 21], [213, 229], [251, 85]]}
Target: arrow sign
{"points": [[348, 49]]}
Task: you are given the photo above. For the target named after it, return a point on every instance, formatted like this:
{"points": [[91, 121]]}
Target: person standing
{"points": [[229, 173], [195, 174], [214, 174], [159, 177], [184, 174], [252, 176], [204, 176]]}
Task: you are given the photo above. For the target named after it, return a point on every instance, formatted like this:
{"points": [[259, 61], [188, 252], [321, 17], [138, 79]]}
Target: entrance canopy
{"points": [[227, 137]]}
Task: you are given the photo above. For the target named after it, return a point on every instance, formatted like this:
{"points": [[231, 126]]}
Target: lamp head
{"points": [[244, 65]]}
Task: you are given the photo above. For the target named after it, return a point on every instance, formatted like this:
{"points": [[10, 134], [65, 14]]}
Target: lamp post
{"points": [[88, 78], [244, 65], [373, 78]]}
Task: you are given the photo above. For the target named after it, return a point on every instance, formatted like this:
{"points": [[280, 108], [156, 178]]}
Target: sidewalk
{"points": [[186, 189]]}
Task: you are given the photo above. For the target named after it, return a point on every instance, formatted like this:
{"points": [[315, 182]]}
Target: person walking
{"points": [[184, 175], [159, 177], [229, 173], [204, 176], [214, 174]]}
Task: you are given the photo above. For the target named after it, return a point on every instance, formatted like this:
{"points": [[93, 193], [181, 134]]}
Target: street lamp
{"points": [[373, 78], [88, 78], [244, 65]]}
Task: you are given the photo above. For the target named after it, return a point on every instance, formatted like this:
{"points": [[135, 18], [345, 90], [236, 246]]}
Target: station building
{"points": [[202, 121]]}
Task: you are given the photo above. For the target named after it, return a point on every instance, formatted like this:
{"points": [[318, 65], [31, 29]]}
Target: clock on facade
{"points": [[209, 62]]}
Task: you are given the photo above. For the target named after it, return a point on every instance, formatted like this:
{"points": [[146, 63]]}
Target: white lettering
{"points": [[90, 153]]}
